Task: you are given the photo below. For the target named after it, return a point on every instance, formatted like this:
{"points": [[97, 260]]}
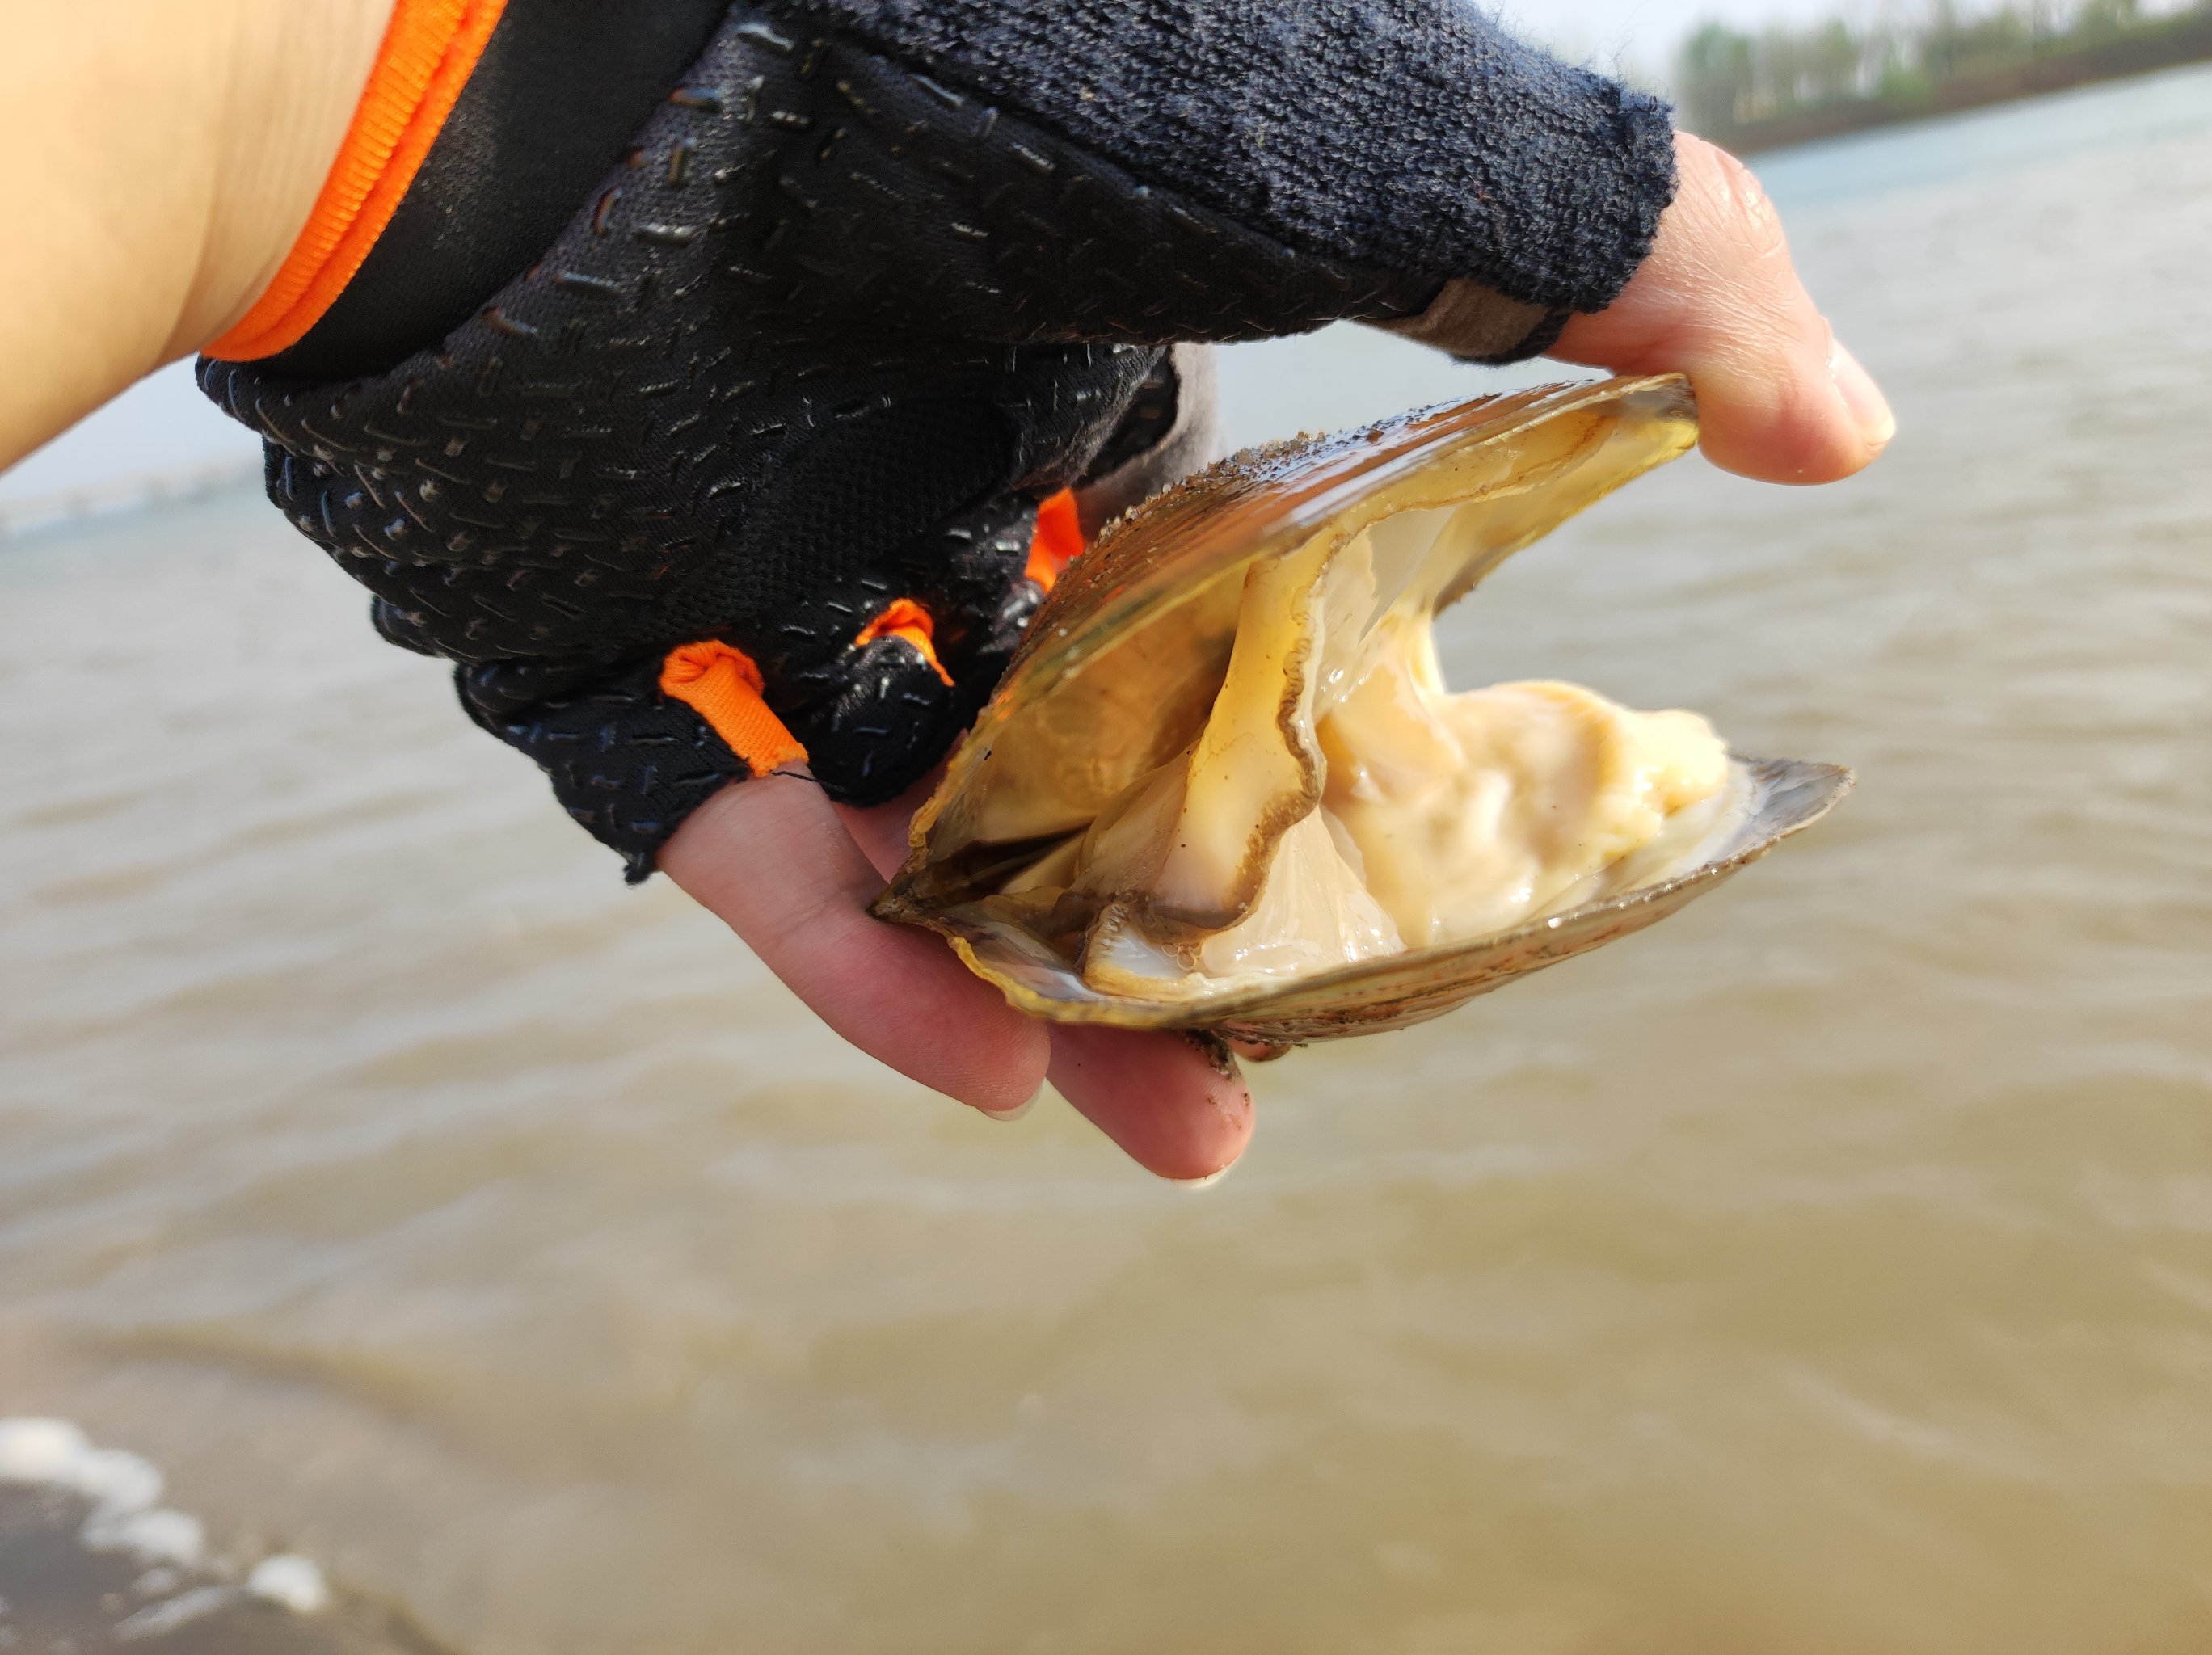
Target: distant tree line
{"points": [[1784, 83]]}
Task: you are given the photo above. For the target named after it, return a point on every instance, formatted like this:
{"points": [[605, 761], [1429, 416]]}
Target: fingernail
{"points": [[1016, 1111], [1208, 1182], [1869, 410]]}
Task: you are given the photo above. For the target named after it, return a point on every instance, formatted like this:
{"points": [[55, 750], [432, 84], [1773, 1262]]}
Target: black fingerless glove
{"points": [[748, 460]]}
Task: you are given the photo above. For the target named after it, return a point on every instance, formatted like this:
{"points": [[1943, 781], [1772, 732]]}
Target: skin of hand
{"points": [[172, 177]]}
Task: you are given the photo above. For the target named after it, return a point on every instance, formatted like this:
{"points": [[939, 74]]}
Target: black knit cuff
{"points": [[1411, 136]]}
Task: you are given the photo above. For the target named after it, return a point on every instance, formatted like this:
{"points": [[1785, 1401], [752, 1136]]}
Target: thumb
{"points": [[1778, 397]]}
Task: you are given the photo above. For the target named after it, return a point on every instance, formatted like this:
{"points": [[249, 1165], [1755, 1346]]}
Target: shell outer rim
{"points": [[1230, 1009]]}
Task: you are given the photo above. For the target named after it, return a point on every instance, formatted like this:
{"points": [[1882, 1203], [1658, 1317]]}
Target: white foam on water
{"points": [[39, 1450], [160, 1535], [288, 1578], [122, 1487]]}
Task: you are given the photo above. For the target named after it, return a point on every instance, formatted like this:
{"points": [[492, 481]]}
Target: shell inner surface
{"points": [[1224, 783]]}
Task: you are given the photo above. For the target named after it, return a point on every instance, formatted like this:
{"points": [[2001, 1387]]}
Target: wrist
{"points": [[177, 150], [291, 84]]}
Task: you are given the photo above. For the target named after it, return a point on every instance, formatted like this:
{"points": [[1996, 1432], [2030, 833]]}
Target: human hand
{"points": [[792, 875], [1778, 397]]}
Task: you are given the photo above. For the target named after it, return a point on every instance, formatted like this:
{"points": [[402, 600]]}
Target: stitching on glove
{"points": [[429, 50], [909, 622], [723, 687], [1057, 540]]}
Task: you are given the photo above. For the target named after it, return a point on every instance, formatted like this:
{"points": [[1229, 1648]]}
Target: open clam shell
{"points": [[1122, 669]]}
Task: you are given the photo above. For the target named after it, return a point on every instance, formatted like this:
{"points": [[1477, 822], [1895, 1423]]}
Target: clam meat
{"points": [[1225, 785]]}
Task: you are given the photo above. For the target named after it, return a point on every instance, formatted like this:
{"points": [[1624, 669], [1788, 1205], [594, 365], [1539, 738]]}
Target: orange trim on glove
{"points": [[430, 48], [723, 687], [908, 619], [1058, 540]]}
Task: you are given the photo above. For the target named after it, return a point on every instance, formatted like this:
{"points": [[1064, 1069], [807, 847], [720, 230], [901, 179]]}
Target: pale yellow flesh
{"points": [[1341, 805]]}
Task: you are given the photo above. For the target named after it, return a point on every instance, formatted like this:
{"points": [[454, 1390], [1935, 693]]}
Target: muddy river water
{"points": [[1827, 1270]]}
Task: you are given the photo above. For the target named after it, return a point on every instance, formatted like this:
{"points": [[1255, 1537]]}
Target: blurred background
{"points": [[1829, 1269]]}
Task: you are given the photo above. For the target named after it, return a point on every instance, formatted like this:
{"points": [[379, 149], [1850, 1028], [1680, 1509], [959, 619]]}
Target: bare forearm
{"points": [[173, 153]]}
